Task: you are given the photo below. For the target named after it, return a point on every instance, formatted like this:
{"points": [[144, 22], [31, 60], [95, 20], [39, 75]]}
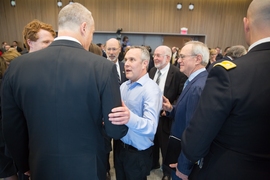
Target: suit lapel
{"points": [[122, 71], [152, 73], [184, 92], [168, 80]]}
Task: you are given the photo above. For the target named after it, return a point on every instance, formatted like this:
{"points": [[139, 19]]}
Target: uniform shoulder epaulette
{"points": [[226, 64]]}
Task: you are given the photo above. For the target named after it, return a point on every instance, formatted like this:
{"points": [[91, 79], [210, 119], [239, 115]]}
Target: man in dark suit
{"points": [[230, 128], [193, 58], [171, 82], [113, 49], [219, 55], [53, 103]]}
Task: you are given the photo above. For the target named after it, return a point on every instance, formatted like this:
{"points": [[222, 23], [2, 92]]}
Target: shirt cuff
{"points": [[184, 165]]}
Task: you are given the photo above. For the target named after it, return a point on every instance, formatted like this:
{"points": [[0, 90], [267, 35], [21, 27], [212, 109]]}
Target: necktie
{"points": [[158, 78], [118, 76], [186, 83]]}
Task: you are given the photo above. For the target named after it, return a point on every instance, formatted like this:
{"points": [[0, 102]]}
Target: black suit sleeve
{"points": [[6, 163], [14, 127], [111, 98]]}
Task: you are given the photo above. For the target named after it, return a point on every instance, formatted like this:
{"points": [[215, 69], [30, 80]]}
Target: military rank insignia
{"points": [[226, 64]]}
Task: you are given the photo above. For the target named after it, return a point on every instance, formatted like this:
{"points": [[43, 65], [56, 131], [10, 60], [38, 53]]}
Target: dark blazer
{"points": [[53, 103], [19, 49], [230, 128], [7, 166], [173, 87], [187, 103], [122, 71], [104, 54], [183, 112]]}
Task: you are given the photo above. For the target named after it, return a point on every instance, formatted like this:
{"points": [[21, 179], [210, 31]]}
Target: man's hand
{"points": [[178, 173], [27, 173], [119, 115], [166, 105]]}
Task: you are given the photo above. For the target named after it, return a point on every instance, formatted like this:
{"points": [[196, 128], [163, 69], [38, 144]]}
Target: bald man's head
{"points": [[257, 22], [112, 49]]}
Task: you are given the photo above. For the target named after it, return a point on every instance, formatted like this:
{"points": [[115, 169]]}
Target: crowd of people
{"points": [[66, 103]]}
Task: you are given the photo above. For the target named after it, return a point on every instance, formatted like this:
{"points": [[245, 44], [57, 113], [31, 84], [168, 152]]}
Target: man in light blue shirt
{"points": [[141, 104]]}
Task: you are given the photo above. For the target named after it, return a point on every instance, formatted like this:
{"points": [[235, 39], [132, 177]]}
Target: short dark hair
{"points": [[124, 38]]}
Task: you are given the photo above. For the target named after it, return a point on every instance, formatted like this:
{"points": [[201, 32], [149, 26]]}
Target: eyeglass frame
{"points": [[112, 49], [182, 56], [159, 55]]}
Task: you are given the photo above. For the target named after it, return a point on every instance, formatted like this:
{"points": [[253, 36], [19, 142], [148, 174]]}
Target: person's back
{"points": [[62, 93], [230, 128]]}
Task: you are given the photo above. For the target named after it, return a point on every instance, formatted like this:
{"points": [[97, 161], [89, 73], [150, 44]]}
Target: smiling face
{"points": [[135, 67], [161, 59], [187, 60]]}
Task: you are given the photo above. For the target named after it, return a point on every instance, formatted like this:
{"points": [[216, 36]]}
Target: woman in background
{"points": [[213, 55]]}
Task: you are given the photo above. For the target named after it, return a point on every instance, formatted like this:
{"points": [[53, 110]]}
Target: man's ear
{"points": [[83, 28], [199, 59], [29, 42], [145, 64], [246, 25]]}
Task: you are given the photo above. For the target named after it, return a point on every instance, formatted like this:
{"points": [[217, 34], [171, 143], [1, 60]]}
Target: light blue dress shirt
{"points": [[144, 100]]}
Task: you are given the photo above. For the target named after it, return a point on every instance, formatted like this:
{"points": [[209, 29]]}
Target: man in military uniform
{"points": [[229, 132]]}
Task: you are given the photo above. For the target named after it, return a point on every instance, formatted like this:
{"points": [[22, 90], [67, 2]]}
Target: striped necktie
{"points": [[158, 78]]}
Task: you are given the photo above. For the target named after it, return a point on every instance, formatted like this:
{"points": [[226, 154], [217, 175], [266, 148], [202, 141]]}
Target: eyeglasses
{"points": [[112, 49], [159, 55], [182, 56]]}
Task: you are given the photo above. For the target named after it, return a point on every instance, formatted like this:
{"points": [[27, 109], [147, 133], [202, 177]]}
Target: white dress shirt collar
{"points": [[259, 42], [67, 38]]}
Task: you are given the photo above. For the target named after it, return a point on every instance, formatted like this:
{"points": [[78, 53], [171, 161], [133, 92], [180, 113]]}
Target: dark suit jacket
{"points": [[173, 87], [230, 128], [53, 103], [19, 49], [122, 71], [183, 112], [7, 167]]}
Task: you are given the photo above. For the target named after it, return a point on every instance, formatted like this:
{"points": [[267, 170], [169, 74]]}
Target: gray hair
{"points": [[167, 50], [119, 44], [236, 51], [73, 15], [145, 53], [199, 48]]}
